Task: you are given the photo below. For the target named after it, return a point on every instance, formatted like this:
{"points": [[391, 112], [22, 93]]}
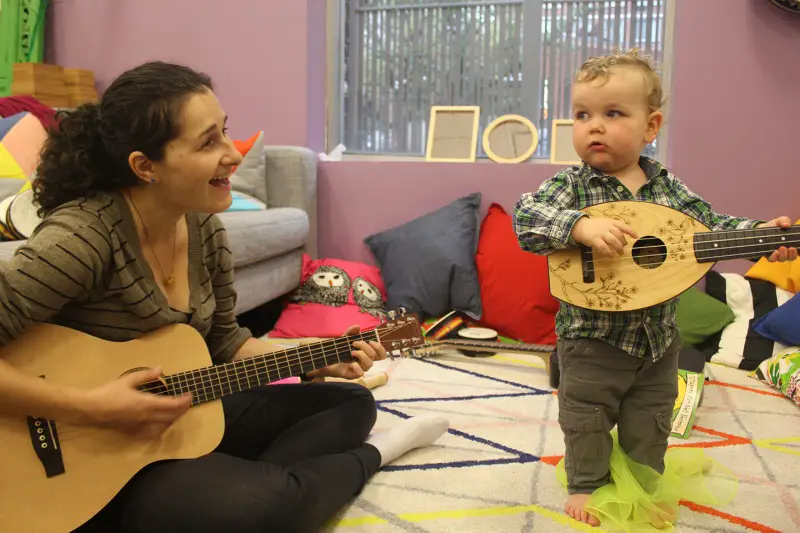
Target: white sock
{"points": [[413, 433]]}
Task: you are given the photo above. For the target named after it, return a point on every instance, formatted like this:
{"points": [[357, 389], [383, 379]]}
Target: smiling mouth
{"points": [[220, 181]]}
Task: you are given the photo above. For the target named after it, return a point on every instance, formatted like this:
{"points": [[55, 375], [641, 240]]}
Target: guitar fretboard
{"points": [[744, 243], [211, 383], [499, 346]]}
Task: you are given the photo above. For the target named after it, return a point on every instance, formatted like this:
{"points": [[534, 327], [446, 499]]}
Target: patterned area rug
{"points": [[495, 469]]}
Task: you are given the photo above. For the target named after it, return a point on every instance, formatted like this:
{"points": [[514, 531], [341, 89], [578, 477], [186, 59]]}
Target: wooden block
{"points": [[38, 72], [43, 81], [53, 101], [79, 77], [80, 95], [28, 87]]}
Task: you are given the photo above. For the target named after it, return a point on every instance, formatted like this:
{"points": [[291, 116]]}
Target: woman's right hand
{"points": [[120, 405]]}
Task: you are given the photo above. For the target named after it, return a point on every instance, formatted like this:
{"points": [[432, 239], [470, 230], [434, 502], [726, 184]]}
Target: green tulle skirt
{"points": [[639, 499]]}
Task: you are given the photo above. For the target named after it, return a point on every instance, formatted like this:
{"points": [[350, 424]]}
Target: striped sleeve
{"points": [[544, 220], [225, 337], [62, 261]]}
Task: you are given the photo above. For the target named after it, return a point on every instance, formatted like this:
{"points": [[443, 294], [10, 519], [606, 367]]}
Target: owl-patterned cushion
{"points": [[333, 295]]}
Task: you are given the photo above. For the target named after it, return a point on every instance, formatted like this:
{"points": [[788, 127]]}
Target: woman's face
{"points": [[195, 171]]}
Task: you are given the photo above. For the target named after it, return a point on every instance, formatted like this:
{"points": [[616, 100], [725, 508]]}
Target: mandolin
{"points": [[56, 476], [673, 252]]}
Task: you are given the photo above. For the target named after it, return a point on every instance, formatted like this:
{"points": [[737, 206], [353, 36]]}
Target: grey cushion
{"points": [[265, 280], [428, 264], [258, 235]]}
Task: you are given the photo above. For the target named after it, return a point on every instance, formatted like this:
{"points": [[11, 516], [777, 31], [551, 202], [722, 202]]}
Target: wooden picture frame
{"points": [[562, 149], [510, 133], [453, 134]]}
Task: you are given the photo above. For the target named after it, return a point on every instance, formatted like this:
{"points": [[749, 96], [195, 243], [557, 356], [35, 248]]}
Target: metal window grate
{"points": [[403, 56]]}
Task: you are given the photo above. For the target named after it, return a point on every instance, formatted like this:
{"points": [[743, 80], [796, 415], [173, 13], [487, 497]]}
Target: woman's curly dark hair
{"points": [[87, 151]]}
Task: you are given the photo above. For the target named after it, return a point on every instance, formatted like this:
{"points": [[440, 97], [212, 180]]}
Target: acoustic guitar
{"points": [[431, 347], [56, 476], [673, 252]]}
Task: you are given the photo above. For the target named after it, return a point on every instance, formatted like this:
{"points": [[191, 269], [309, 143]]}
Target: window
{"points": [[396, 58]]}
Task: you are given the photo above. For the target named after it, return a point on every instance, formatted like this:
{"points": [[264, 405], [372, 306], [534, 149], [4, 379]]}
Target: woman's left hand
{"points": [[364, 354]]}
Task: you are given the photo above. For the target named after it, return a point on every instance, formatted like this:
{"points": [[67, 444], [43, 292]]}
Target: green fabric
{"points": [[639, 500], [782, 371], [699, 316], [21, 36]]}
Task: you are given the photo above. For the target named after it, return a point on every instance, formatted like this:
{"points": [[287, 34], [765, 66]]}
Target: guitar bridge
{"points": [[44, 438], [587, 264]]}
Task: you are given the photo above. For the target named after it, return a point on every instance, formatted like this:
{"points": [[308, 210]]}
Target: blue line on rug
{"points": [[484, 376], [460, 398], [462, 464]]}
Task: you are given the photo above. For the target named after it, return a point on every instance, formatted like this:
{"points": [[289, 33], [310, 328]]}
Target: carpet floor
{"points": [[494, 471]]}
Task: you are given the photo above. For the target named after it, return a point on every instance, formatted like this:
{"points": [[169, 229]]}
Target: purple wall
{"points": [[732, 115], [266, 57], [733, 124]]}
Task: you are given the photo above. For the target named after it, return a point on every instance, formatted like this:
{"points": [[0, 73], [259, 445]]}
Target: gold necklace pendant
{"points": [[170, 280]]}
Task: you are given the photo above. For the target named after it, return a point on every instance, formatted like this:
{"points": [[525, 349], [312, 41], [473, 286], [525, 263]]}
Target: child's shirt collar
{"points": [[652, 169]]}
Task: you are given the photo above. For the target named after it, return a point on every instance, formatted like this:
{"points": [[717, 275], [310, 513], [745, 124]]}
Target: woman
{"points": [[122, 251]]}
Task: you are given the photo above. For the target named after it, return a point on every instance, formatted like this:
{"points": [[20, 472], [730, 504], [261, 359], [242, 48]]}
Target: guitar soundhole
{"points": [[649, 252]]}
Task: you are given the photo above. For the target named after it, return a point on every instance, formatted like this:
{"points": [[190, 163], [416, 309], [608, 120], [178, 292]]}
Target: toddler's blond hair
{"points": [[600, 67]]}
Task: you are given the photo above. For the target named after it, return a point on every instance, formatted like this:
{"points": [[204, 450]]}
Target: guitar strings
{"points": [[789, 233], [205, 382], [767, 250], [773, 246], [269, 362]]}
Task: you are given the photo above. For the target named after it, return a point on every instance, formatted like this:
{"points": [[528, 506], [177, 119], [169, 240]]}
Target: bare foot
{"points": [[666, 518], [575, 509]]}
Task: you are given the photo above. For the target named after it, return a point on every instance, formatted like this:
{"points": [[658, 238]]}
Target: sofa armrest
{"points": [[291, 174]]}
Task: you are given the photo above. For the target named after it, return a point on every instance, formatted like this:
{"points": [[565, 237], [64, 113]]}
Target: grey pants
{"points": [[602, 386]]}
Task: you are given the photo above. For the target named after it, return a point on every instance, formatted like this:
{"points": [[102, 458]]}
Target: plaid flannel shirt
{"points": [[543, 221]]}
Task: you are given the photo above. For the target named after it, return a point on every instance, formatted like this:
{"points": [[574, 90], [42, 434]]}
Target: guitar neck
{"points": [[214, 382], [743, 244], [499, 346]]}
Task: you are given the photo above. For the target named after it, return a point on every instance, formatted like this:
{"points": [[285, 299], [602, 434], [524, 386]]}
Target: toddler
{"points": [[616, 368]]}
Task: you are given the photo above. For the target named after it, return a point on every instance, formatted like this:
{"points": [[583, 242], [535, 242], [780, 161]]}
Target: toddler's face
{"points": [[612, 120]]}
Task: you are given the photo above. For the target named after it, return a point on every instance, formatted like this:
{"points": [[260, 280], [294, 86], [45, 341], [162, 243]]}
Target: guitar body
{"points": [[660, 265], [97, 462]]}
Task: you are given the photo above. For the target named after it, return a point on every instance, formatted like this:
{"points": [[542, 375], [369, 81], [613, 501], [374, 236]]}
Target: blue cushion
{"points": [[428, 264], [245, 202], [782, 324]]}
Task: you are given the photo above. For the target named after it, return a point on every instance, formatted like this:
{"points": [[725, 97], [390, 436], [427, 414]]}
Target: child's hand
{"points": [[782, 253], [605, 235]]}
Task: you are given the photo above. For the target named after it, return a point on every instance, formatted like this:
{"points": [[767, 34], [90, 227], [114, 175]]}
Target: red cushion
{"points": [[514, 288]]}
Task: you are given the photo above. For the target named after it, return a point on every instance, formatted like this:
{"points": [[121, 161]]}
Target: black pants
{"points": [[291, 458]]}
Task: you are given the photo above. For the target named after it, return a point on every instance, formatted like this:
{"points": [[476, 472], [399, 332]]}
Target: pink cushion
{"points": [[333, 295]]}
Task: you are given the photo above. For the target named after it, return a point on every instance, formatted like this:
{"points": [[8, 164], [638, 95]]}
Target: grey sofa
{"points": [[268, 245]]}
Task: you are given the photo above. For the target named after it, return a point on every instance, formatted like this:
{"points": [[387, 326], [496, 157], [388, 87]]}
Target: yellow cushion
{"points": [[785, 275]]}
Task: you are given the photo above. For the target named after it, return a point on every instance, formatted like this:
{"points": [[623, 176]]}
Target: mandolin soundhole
{"points": [[649, 252]]}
